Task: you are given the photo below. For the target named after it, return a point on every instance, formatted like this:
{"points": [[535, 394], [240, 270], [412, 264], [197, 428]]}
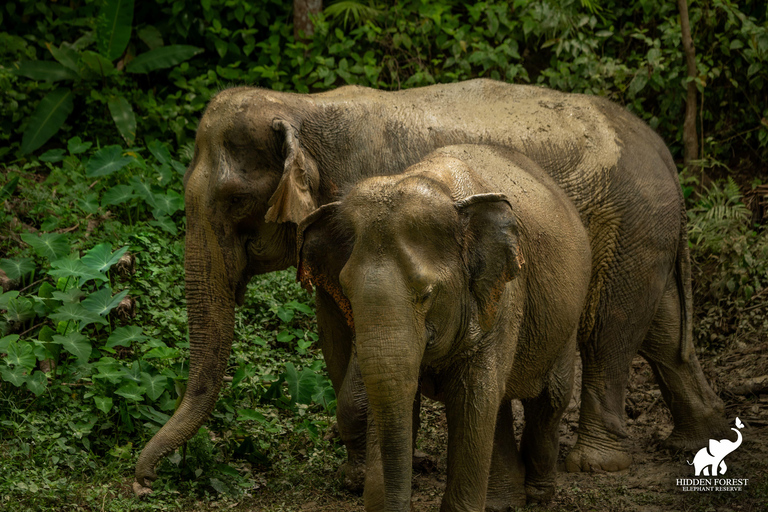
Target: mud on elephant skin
{"points": [[264, 160], [475, 294]]}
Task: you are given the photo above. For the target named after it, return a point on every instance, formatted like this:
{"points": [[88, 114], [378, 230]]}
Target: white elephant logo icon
{"points": [[709, 460]]}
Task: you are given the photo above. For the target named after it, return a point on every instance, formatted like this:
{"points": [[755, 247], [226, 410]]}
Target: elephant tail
{"points": [[684, 289]]}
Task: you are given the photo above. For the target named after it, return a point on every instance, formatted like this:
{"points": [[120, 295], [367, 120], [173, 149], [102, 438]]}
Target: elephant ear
{"points": [[293, 200], [323, 250], [491, 250]]}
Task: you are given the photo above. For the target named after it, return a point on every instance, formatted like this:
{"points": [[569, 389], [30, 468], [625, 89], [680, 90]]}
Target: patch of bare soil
{"points": [[649, 484]]}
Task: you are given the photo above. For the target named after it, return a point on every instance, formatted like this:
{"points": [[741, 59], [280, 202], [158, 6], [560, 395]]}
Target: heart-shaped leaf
{"points": [[48, 245], [250, 415], [103, 403], [118, 194], [106, 161], [160, 151], [124, 336], [37, 382], [17, 269], [102, 302], [72, 266], [101, 257], [77, 313], [168, 204], [75, 146], [154, 385], [131, 391], [16, 376], [76, 344], [301, 386], [21, 353]]}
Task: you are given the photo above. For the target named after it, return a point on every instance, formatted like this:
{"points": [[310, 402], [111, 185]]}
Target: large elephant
{"points": [[264, 160], [473, 293]]}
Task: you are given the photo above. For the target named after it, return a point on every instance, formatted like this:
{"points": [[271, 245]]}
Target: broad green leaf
{"points": [[102, 302], [46, 290], [76, 344], [107, 160], [300, 306], [102, 258], [168, 204], [76, 312], [113, 28], [75, 146], [37, 382], [250, 415], [301, 386], [285, 314], [162, 353], [143, 190], [124, 118], [71, 296], [44, 70], [7, 297], [5, 341], [109, 369], [153, 414], [160, 151], [21, 353], [103, 403], [17, 269], [131, 391], [154, 385], [124, 336], [118, 194], [96, 65], [16, 376], [19, 310], [51, 246], [52, 156], [9, 188], [72, 266], [165, 57], [166, 224], [151, 37], [67, 57], [48, 117], [285, 336]]}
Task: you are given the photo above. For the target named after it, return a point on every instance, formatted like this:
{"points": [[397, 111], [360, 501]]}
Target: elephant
{"points": [[709, 460], [263, 160], [466, 275]]}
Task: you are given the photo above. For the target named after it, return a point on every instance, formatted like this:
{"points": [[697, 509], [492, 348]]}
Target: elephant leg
{"points": [[506, 483], [697, 412], [471, 406], [352, 401], [541, 436]]}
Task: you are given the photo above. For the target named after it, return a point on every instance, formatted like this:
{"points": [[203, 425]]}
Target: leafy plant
{"points": [[73, 62]]}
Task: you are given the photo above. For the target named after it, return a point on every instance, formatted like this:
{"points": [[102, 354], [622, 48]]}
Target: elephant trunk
{"points": [[389, 356], [210, 311]]}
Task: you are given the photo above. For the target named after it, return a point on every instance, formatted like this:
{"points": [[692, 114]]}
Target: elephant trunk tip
{"points": [[140, 490]]}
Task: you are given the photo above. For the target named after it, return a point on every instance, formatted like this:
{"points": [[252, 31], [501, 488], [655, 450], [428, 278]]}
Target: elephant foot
{"points": [[505, 503], [141, 491], [597, 456], [352, 476], [423, 463], [539, 492], [693, 438]]}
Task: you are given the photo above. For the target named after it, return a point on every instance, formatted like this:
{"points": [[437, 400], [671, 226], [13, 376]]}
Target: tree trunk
{"points": [[301, 22], [690, 139]]}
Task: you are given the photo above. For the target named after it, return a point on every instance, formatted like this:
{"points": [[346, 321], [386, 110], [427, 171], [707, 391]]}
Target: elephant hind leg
{"points": [[697, 412], [506, 483]]}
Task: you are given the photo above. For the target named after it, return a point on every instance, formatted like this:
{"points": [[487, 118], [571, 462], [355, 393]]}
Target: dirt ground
{"points": [[649, 484]]}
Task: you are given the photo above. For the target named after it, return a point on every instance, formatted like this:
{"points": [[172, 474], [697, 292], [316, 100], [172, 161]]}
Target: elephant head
{"points": [[250, 181], [420, 271]]}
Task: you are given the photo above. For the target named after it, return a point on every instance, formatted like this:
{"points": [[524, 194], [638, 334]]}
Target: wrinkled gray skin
{"points": [[475, 293], [264, 160]]}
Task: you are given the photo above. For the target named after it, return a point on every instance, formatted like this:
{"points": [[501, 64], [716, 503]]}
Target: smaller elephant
{"points": [[469, 289], [709, 460]]}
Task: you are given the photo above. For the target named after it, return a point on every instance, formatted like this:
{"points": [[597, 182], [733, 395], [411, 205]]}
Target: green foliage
{"points": [[730, 263]]}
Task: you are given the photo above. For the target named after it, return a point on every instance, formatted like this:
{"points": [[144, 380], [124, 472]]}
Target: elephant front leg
{"points": [[471, 409]]}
